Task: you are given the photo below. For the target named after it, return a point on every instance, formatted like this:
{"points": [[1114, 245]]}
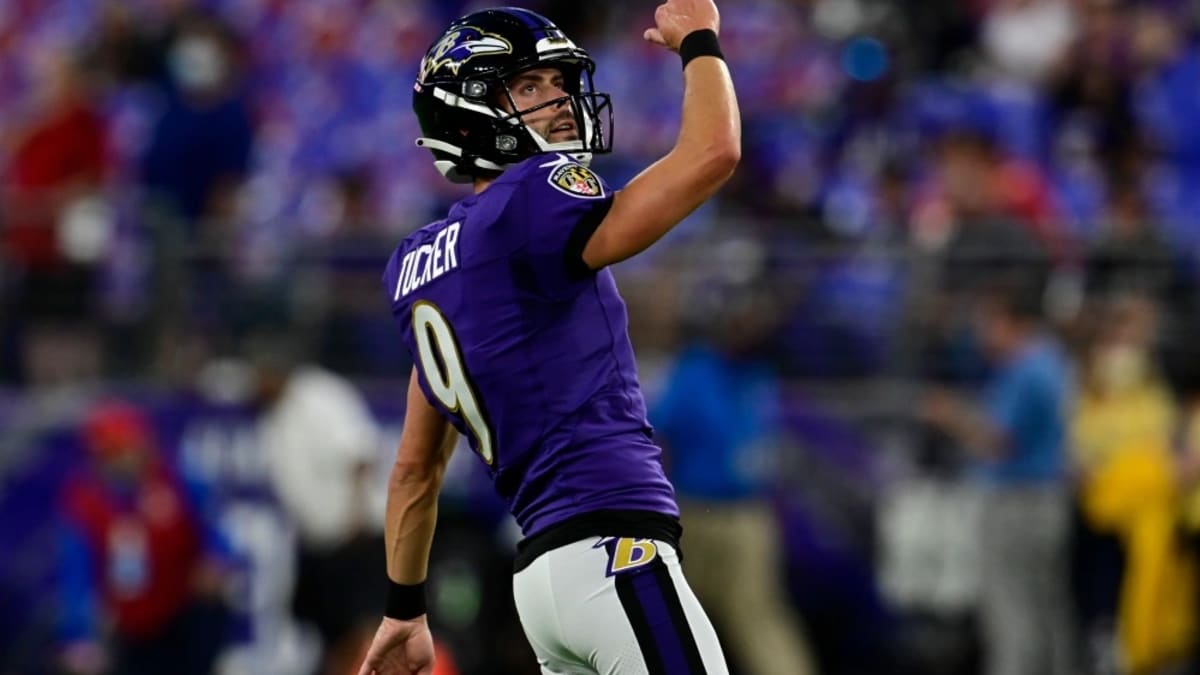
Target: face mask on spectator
{"points": [[1120, 368], [197, 63]]}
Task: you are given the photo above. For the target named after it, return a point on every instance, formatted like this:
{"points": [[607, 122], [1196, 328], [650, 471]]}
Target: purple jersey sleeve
{"points": [[556, 205]]}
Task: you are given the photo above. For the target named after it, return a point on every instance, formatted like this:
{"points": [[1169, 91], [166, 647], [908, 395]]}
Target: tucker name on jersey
{"points": [[428, 261]]}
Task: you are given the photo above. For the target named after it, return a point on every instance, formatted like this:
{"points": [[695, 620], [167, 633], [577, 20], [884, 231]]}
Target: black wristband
{"points": [[405, 601], [699, 43]]}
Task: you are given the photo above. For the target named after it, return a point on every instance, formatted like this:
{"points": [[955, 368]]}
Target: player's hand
{"points": [[400, 648], [674, 19]]}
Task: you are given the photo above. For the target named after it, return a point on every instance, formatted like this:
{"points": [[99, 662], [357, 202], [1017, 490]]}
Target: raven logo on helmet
{"points": [[461, 45]]}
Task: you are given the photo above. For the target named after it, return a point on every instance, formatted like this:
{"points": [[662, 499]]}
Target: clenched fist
{"points": [[674, 19]]}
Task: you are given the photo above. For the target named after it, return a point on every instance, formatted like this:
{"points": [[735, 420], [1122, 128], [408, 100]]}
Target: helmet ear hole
{"points": [[475, 90], [506, 143]]}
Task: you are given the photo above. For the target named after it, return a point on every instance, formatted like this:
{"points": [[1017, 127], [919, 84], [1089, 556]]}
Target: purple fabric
{"points": [[547, 355], [666, 633]]}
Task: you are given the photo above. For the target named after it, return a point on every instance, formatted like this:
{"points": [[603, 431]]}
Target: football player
{"points": [[520, 342]]}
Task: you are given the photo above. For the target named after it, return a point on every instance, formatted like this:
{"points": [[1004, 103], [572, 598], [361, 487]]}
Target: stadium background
{"points": [[150, 239]]}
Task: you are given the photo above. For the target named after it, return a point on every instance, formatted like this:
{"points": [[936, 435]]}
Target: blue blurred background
{"points": [[197, 198]]}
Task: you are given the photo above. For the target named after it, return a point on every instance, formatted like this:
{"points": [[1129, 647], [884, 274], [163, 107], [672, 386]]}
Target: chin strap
{"points": [[450, 168], [573, 149]]}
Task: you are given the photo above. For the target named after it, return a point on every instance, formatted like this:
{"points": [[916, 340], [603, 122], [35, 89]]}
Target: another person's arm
{"points": [[210, 578], [705, 154], [967, 423], [992, 428], [83, 650], [403, 643]]}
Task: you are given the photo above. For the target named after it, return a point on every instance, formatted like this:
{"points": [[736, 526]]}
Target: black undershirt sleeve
{"points": [[578, 240]]}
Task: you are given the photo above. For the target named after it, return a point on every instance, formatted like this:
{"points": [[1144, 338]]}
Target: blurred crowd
{"points": [[951, 290], [178, 171]]}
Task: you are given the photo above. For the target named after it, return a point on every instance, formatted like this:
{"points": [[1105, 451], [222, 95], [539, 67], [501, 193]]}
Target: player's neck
{"points": [[482, 184]]}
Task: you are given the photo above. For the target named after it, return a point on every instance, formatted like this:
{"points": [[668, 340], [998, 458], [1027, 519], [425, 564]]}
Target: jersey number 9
{"points": [[441, 361]]}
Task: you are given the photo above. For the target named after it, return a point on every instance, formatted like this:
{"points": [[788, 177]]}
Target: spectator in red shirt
{"points": [[142, 575], [59, 158], [53, 225]]}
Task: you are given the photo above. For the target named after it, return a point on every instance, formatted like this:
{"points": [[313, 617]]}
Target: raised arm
{"points": [[403, 644], [705, 154]]}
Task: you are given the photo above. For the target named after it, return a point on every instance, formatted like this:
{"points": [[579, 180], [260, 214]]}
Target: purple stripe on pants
{"points": [[666, 633]]}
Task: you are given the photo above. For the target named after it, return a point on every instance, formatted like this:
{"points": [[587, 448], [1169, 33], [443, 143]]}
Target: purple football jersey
{"points": [[527, 357]]}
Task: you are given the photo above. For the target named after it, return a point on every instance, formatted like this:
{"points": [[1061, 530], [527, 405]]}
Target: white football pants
{"points": [[609, 606]]}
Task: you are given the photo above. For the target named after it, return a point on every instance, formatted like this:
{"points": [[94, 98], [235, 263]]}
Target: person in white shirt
{"points": [[320, 443]]}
